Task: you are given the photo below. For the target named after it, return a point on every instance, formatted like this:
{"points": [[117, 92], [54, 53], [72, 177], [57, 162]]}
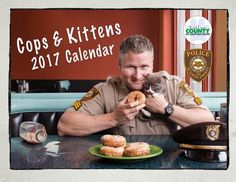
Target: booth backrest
{"points": [[44, 108], [42, 102], [48, 119], [47, 108], [59, 102]]}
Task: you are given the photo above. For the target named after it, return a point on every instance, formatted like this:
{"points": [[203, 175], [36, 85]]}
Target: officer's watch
{"points": [[169, 110]]}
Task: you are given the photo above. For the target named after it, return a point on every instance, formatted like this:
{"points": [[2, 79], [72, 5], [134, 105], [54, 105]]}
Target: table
{"points": [[72, 153]]}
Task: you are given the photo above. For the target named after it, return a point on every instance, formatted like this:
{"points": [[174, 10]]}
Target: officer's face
{"points": [[135, 68]]}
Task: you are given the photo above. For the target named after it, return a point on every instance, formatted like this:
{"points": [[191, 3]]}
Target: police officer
{"points": [[105, 106]]}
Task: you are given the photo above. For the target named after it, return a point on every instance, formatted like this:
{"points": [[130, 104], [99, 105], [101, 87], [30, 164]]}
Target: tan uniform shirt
{"points": [[104, 98]]}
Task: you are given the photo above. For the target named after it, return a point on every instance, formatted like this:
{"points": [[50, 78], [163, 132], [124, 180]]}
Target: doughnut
{"points": [[113, 140], [137, 149], [112, 151], [136, 96]]}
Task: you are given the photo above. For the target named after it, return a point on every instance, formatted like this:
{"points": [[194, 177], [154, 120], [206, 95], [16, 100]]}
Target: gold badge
{"points": [[90, 94], [77, 105], [183, 85], [198, 63], [212, 132]]}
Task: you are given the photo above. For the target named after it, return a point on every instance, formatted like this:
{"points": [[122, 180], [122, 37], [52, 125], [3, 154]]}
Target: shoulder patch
{"points": [[183, 85], [90, 94]]}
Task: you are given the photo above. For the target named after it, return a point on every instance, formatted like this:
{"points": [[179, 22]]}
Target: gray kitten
{"points": [[153, 86]]}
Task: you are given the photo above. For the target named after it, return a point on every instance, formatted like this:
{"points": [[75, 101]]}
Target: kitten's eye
{"points": [[159, 80], [146, 86]]}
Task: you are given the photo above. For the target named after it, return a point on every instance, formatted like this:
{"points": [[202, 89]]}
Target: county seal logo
{"points": [[197, 30]]}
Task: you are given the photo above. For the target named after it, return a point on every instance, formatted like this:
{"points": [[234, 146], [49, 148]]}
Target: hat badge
{"points": [[212, 132]]}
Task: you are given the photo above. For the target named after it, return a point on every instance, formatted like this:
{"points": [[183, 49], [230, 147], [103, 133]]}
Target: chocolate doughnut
{"points": [[136, 96]]}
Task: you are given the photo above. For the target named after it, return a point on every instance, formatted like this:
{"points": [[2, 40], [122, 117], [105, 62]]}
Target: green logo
{"points": [[197, 30]]}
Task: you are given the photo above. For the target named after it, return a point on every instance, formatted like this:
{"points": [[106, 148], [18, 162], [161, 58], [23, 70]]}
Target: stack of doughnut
{"points": [[136, 96], [115, 146]]}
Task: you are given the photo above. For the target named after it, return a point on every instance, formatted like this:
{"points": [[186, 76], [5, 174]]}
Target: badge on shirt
{"points": [[183, 85]]}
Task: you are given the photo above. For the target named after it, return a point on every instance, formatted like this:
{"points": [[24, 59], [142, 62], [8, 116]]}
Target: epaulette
{"points": [[183, 85]]}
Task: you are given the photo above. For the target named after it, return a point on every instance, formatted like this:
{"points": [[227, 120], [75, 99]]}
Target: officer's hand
{"points": [[156, 104], [125, 111]]}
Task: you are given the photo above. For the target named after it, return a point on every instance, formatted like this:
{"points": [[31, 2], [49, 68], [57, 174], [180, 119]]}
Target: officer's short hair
{"points": [[135, 43]]}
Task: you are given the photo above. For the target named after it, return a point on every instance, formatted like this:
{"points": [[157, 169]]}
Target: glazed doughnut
{"points": [[113, 140], [112, 151], [137, 149], [136, 96]]}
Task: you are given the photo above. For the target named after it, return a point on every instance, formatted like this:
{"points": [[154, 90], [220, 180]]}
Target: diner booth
{"points": [[42, 95]]}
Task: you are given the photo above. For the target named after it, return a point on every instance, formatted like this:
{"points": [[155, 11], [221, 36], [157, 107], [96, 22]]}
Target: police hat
{"points": [[206, 141]]}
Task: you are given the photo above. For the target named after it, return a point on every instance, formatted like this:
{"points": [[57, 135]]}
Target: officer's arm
{"points": [[80, 124], [182, 116], [185, 117], [189, 110]]}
